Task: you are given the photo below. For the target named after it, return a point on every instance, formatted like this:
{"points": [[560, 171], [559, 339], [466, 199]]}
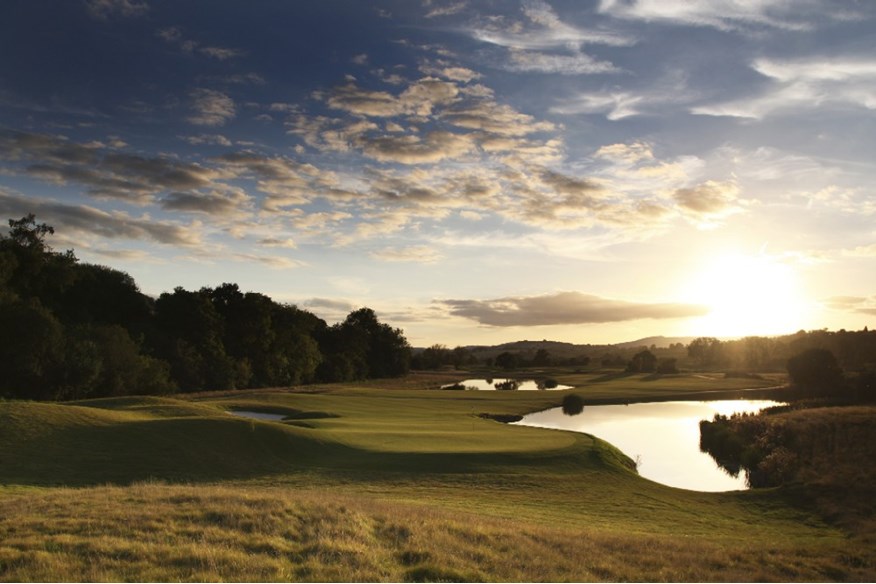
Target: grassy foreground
{"points": [[377, 482]]}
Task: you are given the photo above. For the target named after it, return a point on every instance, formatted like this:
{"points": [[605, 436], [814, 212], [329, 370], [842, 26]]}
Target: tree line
{"points": [[70, 330], [855, 352]]}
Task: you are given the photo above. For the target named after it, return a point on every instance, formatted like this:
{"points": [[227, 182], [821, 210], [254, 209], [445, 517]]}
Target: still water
{"points": [[258, 415], [663, 437], [490, 384]]}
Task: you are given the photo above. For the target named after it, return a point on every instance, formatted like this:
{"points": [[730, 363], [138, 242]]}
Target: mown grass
{"points": [[374, 482]]}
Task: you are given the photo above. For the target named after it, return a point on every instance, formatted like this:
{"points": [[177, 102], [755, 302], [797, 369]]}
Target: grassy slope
{"points": [[312, 497]]}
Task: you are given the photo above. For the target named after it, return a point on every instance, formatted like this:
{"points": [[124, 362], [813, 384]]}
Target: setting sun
{"points": [[747, 295]]}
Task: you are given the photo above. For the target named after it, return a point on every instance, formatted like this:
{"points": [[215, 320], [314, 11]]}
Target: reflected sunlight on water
{"points": [[663, 436]]}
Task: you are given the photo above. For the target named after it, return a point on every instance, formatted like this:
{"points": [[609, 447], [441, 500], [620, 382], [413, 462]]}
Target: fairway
{"points": [[380, 481]]}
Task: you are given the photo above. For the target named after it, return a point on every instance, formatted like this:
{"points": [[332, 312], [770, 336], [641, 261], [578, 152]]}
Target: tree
{"points": [[642, 362], [667, 366], [362, 347], [816, 372], [705, 351], [507, 360], [27, 233], [31, 269], [542, 358], [31, 350], [189, 337]]}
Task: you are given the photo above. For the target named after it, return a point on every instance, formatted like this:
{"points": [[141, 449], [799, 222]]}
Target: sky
{"points": [[475, 171]]}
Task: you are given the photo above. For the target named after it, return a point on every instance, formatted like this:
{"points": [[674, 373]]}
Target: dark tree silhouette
{"points": [[642, 362], [816, 372]]}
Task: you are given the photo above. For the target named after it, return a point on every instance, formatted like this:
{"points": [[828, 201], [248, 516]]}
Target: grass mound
{"points": [[130, 440]]}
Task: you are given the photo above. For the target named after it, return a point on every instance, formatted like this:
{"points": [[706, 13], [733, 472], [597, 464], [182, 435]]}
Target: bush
{"points": [[573, 405]]}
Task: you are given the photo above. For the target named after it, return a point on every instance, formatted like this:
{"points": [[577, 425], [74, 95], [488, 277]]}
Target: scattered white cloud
{"points": [[211, 107], [207, 139], [577, 63], [721, 14], [420, 254], [709, 201], [444, 9], [287, 243], [106, 9], [173, 36], [545, 30], [614, 105], [802, 85]]}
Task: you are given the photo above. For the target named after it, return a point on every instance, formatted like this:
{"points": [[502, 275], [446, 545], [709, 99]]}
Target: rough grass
{"points": [[379, 483], [156, 532]]}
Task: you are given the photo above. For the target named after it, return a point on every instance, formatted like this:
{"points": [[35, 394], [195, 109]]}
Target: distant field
{"points": [[378, 481]]}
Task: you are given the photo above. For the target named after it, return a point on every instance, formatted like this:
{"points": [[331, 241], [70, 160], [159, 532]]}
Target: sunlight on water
{"points": [[663, 437], [490, 385]]}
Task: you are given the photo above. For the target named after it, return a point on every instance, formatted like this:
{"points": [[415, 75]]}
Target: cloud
{"points": [[804, 84], [493, 118], [330, 303], [104, 9], [211, 107], [615, 105], [709, 201], [208, 139], [460, 74], [90, 221], [563, 308], [857, 304], [284, 181], [273, 262], [724, 15], [419, 98], [577, 63], [173, 36], [446, 9], [106, 174], [287, 243], [410, 149], [546, 31], [419, 254], [214, 203]]}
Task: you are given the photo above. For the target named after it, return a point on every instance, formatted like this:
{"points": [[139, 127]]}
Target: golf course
{"points": [[383, 480]]}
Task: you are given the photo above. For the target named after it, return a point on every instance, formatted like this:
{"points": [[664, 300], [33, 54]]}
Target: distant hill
{"points": [[659, 342], [567, 350]]}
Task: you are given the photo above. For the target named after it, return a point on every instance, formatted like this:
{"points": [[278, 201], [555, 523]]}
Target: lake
{"points": [[258, 415], [490, 384], [663, 437]]}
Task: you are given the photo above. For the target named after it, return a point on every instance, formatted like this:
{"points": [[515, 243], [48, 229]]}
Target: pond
{"points": [[662, 437], [500, 383], [258, 415]]}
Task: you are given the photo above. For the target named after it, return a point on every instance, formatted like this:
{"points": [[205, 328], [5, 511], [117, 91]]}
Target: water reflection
{"points": [[257, 415], [664, 437], [491, 384]]}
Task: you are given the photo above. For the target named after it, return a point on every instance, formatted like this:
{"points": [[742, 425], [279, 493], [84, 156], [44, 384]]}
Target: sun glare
{"points": [[748, 295]]}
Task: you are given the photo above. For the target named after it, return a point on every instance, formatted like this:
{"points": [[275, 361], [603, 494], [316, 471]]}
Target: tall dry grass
{"points": [[158, 532]]}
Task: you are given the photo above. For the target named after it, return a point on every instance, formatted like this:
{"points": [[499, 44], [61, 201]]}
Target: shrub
{"points": [[573, 405]]}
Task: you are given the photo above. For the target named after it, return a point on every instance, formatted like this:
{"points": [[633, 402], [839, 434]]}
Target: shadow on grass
{"points": [[612, 376], [196, 450]]}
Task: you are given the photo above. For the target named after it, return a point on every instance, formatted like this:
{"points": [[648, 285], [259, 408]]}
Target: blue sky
{"points": [[475, 171]]}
